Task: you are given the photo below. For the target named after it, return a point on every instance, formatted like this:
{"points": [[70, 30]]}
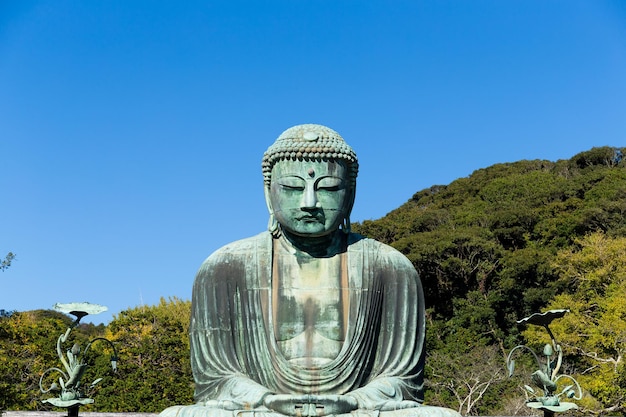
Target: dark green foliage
{"points": [[152, 342], [154, 360], [485, 245], [604, 156], [496, 232], [27, 348]]}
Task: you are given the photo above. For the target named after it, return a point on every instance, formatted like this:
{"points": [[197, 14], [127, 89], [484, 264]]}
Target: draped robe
{"points": [[235, 357]]}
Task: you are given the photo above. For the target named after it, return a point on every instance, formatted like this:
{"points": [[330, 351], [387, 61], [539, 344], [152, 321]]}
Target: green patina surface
{"points": [[308, 319]]}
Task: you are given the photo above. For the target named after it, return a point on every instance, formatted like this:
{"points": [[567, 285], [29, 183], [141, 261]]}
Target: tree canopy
{"points": [[491, 248]]}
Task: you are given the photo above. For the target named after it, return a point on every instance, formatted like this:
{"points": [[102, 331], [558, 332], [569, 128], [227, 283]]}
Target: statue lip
{"points": [[310, 220], [318, 217]]}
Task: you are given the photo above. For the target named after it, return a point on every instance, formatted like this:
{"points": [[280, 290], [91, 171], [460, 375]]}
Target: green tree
{"points": [[593, 334], [154, 370], [27, 349], [485, 246], [604, 155]]}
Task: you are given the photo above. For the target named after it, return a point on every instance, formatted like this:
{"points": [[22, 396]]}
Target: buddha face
{"points": [[310, 198]]}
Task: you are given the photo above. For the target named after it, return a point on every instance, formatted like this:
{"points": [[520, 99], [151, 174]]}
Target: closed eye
{"points": [[292, 187], [330, 184], [333, 188], [291, 183]]}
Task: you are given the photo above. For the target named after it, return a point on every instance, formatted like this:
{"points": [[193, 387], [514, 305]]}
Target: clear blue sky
{"points": [[131, 132]]}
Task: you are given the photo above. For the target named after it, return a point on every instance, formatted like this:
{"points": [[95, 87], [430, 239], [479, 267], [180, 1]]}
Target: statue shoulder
{"points": [[238, 251], [383, 252]]}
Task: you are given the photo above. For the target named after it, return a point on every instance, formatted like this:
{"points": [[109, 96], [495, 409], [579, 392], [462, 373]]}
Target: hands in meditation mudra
{"points": [[308, 319]]}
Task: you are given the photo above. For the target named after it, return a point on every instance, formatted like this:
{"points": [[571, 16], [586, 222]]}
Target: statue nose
{"points": [[309, 199]]}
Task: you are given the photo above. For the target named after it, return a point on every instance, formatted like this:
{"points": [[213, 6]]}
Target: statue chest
{"points": [[308, 309]]}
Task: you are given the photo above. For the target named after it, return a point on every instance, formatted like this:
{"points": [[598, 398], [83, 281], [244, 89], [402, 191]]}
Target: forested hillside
{"points": [[500, 244], [507, 241], [485, 245]]}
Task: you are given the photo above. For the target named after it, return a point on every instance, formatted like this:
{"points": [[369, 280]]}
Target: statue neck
{"points": [[321, 246]]}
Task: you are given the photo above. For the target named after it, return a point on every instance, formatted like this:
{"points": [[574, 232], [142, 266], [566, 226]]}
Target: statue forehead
{"points": [[310, 168]]}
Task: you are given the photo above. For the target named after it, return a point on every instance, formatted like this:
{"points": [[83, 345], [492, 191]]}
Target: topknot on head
{"points": [[309, 142]]}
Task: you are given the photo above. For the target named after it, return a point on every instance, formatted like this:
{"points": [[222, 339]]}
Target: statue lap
{"points": [[199, 410]]}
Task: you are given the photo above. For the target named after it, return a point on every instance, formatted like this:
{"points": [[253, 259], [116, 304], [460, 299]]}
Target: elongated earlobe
{"points": [[272, 226], [345, 226]]}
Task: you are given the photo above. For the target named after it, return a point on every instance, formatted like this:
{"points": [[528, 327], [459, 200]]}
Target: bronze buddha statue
{"points": [[307, 318]]}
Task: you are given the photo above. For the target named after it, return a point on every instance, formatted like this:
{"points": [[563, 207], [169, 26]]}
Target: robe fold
{"points": [[234, 353]]}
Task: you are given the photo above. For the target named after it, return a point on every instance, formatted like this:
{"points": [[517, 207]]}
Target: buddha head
{"points": [[310, 181]]}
